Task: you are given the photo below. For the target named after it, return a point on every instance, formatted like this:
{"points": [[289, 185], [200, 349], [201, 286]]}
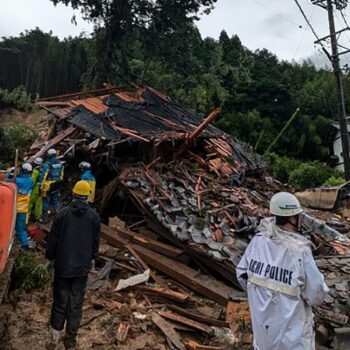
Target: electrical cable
{"points": [[313, 30], [306, 19], [279, 14], [344, 18], [303, 35], [340, 23]]}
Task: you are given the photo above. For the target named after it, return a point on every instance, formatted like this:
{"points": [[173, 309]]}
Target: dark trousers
{"points": [[68, 298]]}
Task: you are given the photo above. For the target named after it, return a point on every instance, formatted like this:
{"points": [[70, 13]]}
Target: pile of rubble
{"points": [[191, 197], [130, 307], [204, 214]]}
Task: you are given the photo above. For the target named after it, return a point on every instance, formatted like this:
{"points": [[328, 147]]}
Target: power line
{"points": [[346, 34], [303, 35], [306, 19], [345, 21], [344, 18], [313, 30], [279, 14]]}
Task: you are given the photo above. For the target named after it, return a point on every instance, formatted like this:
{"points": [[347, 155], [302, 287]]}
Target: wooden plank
{"points": [[112, 237], [159, 247], [168, 331], [54, 141], [187, 322], [199, 318], [165, 293], [139, 239], [82, 94], [53, 104], [187, 276], [185, 146]]}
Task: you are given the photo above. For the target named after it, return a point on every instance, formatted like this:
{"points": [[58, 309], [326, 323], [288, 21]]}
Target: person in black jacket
{"points": [[72, 244]]}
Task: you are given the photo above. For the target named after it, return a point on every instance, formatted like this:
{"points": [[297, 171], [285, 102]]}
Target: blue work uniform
{"points": [[24, 184], [51, 172], [87, 176]]}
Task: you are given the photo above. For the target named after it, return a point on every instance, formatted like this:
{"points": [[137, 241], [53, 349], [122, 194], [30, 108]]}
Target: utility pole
{"points": [[334, 57]]}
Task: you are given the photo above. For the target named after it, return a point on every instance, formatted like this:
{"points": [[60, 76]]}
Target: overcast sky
{"points": [[273, 24]]}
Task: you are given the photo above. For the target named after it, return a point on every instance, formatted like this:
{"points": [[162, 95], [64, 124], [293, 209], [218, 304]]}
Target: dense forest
{"points": [[258, 93]]}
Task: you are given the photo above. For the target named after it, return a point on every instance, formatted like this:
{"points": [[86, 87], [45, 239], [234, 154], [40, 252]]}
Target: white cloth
{"points": [[282, 280]]}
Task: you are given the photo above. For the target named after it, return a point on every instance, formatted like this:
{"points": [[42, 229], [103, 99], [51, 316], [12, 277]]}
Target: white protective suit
{"points": [[282, 280]]}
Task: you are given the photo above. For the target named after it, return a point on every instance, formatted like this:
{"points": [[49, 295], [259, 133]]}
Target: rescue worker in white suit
{"points": [[282, 280]]}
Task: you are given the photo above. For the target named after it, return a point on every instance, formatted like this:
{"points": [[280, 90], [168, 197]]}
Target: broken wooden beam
{"points": [[169, 331], [179, 297], [139, 239], [198, 130], [126, 236], [203, 319], [187, 322], [187, 276], [53, 142], [112, 237]]}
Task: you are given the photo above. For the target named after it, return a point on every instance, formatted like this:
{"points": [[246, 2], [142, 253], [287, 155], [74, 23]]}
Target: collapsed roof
{"points": [[147, 116]]}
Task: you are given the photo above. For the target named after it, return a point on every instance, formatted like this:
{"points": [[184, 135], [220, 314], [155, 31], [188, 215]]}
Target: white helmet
{"points": [[285, 204], [38, 161], [85, 165], [27, 167], [51, 152]]}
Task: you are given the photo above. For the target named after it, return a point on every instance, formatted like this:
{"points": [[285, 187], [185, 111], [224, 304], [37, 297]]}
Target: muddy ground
{"points": [[24, 322]]}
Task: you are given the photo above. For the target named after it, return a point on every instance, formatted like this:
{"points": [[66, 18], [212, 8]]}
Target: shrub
{"points": [[334, 181], [302, 174], [29, 272], [12, 137], [17, 98], [281, 167], [308, 175]]}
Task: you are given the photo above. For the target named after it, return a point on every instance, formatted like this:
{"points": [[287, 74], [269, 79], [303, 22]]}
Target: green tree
{"points": [[157, 20]]}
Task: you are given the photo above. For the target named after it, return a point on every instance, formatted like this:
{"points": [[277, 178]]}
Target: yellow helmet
{"points": [[82, 188]]}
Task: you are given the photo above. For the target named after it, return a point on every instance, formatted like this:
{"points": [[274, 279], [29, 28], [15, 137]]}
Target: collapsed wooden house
{"points": [[179, 172], [182, 186]]}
